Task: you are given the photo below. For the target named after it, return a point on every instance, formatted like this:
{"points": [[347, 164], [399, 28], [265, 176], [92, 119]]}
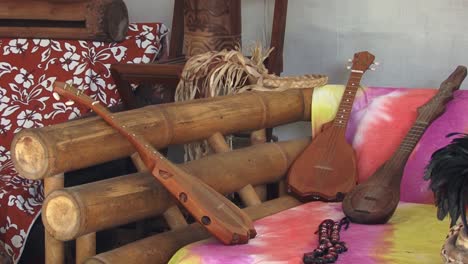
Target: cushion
{"points": [[28, 68], [413, 235]]}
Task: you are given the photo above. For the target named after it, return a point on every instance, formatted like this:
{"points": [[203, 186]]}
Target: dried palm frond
{"points": [[219, 73], [448, 175]]}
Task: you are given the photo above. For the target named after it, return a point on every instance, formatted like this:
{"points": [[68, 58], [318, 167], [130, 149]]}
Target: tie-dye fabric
{"points": [[380, 119], [413, 235]]}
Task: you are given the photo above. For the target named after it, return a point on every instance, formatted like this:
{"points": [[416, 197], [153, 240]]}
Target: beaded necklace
{"points": [[329, 243]]}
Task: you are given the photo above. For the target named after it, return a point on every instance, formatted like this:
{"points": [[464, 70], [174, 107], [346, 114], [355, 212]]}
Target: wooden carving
{"points": [[218, 215], [211, 25], [326, 169], [375, 201], [100, 20]]}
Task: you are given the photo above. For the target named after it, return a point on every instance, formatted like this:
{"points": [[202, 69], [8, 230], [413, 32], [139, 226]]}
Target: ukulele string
{"points": [[346, 105], [346, 99], [411, 139], [418, 134], [332, 139]]}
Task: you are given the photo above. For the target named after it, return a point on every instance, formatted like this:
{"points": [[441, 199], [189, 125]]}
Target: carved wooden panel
{"points": [[211, 25]]}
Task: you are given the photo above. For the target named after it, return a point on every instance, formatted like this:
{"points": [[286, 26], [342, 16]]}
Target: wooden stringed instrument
{"points": [[375, 201], [216, 213], [326, 170]]}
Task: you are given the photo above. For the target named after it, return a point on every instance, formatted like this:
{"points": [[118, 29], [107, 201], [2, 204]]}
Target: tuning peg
{"points": [[372, 69], [56, 96], [376, 63], [69, 103], [350, 60], [348, 67]]}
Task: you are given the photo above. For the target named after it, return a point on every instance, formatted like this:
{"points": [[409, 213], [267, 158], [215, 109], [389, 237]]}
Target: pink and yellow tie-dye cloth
{"points": [[379, 121]]}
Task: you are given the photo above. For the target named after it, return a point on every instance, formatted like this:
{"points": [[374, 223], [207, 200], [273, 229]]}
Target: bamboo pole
{"points": [[121, 200], [40, 152], [85, 247], [54, 249], [160, 248], [259, 137]]}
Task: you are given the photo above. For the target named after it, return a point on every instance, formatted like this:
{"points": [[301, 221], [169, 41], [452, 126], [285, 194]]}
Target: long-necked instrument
{"points": [[217, 214], [375, 201], [327, 169]]}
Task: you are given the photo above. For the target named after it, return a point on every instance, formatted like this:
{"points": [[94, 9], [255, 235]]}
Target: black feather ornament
{"points": [[448, 174]]}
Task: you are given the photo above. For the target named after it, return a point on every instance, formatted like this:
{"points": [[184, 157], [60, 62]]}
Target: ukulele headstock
{"points": [[68, 91], [436, 106], [362, 62]]}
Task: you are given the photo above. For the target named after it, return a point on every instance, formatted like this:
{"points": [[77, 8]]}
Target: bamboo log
{"points": [[104, 20], [40, 152], [75, 211], [160, 248]]}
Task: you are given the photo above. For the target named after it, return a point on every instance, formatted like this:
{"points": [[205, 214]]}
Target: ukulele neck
{"points": [[399, 158], [346, 104], [148, 154]]}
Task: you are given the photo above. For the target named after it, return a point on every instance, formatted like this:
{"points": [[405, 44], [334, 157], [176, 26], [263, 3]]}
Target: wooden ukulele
{"points": [[218, 215], [326, 170], [375, 201]]}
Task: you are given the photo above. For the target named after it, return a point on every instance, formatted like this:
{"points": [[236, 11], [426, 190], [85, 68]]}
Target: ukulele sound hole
{"points": [[361, 211], [183, 197], [206, 220]]}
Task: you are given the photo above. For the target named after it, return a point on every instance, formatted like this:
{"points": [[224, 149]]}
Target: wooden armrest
{"points": [[167, 75], [177, 60], [146, 72]]}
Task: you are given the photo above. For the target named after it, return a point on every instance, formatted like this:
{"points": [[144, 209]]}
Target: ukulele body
{"points": [[375, 201], [326, 170]]}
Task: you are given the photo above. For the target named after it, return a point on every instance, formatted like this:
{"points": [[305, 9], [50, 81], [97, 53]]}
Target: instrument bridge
{"points": [[323, 167]]}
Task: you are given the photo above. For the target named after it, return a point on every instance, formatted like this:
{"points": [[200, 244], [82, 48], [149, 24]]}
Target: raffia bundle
{"points": [[219, 73]]}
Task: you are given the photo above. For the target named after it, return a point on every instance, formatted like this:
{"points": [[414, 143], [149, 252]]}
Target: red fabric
{"points": [[28, 68]]}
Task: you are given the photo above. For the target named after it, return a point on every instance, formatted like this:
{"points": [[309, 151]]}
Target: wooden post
{"points": [[39, 152], [177, 34], [160, 248], [54, 249], [100, 205]]}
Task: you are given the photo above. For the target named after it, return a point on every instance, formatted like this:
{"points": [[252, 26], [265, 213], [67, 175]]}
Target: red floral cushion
{"points": [[28, 68]]}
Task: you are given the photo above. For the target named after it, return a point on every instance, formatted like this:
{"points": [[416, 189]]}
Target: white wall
{"points": [[417, 42]]}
